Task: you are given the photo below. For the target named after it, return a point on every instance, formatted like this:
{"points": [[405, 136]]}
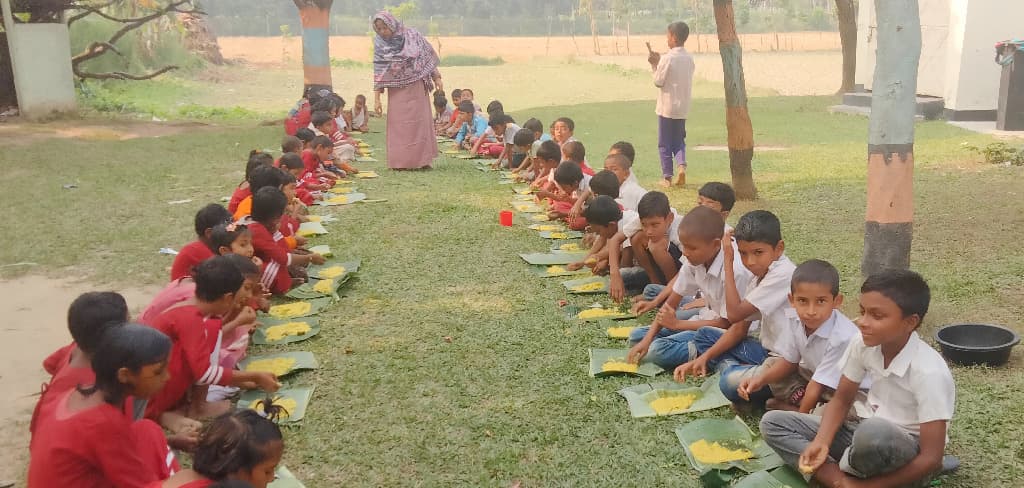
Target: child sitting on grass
{"points": [[570, 182], [238, 446], [269, 206], [443, 114], [654, 240], [506, 128], [262, 177], [900, 440], [472, 127], [807, 370], [343, 149], [528, 170], [562, 130], [317, 157], [307, 190], [522, 151], [575, 152], [199, 250], [289, 145], [630, 192], [546, 161], [360, 120], [306, 136]]}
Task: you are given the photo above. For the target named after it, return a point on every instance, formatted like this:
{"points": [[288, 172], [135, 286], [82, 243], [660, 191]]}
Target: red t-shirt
{"points": [[275, 258], [310, 161], [94, 448], [191, 484], [587, 170], [304, 196], [194, 358], [237, 197], [58, 359], [192, 254]]}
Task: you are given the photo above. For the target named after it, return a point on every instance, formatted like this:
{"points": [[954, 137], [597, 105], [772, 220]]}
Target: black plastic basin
{"points": [[969, 344]]}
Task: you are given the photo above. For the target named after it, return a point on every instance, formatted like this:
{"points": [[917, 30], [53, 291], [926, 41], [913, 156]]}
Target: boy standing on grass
{"points": [[912, 398], [673, 75]]}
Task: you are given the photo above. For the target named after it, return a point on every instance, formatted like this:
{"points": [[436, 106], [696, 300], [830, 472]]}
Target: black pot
{"points": [[969, 344]]}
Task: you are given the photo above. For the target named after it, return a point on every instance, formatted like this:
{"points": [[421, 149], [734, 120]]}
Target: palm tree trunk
{"points": [[889, 220], [316, 56], [846, 12], [737, 118]]}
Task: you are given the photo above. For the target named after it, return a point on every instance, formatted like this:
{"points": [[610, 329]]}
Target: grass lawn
{"points": [[508, 397]]}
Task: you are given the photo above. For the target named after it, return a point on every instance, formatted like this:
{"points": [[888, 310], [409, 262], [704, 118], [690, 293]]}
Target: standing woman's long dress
{"points": [[411, 141]]}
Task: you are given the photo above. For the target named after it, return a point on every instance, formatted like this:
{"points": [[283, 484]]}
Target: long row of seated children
{"points": [[865, 404], [315, 100]]}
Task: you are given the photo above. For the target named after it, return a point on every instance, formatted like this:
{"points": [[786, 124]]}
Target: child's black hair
{"points": [[818, 272], [470, 90], [231, 484], [568, 123], [320, 118], [534, 125], [440, 101], [91, 314], [621, 160], [263, 158], [494, 108], [549, 151], [654, 204], [626, 149], [703, 223], [244, 264], [680, 30], [466, 107], [292, 161], [574, 151], [568, 173], [523, 138], [325, 104], [322, 141], [499, 119], [209, 216], [456, 93], [759, 226], [305, 134], [290, 144], [906, 288], [268, 204], [338, 101], [225, 234], [216, 277], [287, 179], [602, 211], [130, 346], [719, 192], [234, 442], [604, 183], [263, 177]]}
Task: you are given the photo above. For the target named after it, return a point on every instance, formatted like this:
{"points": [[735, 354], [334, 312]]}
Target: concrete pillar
{"points": [[41, 61]]}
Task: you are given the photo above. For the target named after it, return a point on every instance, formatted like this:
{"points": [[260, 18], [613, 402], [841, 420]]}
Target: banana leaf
{"points": [[465, 156], [548, 272], [784, 477], [550, 258], [733, 434], [316, 305], [373, 200], [574, 246], [572, 285], [366, 159], [528, 198], [309, 291], [303, 360], [342, 199], [523, 190], [350, 267], [526, 207], [548, 227], [323, 219], [619, 315], [259, 336], [301, 395], [333, 192], [639, 397], [362, 175], [563, 235], [452, 151], [323, 250], [307, 229], [284, 478], [620, 332], [600, 356]]}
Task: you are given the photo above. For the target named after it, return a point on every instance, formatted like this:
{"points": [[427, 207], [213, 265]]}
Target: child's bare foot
{"points": [[681, 177], [665, 183]]}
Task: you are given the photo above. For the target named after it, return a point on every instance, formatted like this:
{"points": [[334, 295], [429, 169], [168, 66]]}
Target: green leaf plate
{"points": [[572, 284], [639, 397], [317, 305], [733, 434], [351, 266], [301, 395], [558, 235], [259, 336], [600, 356], [350, 199], [543, 271], [550, 258], [303, 360], [307, 229]]}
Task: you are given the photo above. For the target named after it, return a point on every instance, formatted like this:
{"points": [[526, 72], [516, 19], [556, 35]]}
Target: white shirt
{"points": [[630, 192], [770, 295], [711, 283], [917, 387], [632, 226], [821, 352], [358, 119], [510, 132], [674, 76]]}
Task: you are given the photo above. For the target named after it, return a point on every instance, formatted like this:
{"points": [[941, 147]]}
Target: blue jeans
{"points": [[669, 349], [651, 292], [734, 362]]}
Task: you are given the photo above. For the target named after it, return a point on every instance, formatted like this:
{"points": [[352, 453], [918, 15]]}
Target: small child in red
{"points": [[571, 182], [314, 159], [256, 159], [199, 250], [267, 209]]}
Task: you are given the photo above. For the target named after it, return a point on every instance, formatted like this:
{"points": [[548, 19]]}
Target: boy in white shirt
{"points": [[668, 342], [912, 398], [807, 369], [673, 75], [654, 244], [620, 162]]}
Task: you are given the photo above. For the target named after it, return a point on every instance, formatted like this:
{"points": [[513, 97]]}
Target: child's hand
{"points": [[575, 266], [600, 267], [748, 386], [300, 241], [246, 317], [576, 209], [643, 306], [813, 456], [696, 303], [317, 259], [617, 289], [728, 255], [697, 367], [267, 382], [638, 351], [654, 58]]}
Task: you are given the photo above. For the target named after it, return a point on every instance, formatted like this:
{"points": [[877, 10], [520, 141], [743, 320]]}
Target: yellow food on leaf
{"points": [[619, 366], [593, 286], [620, 332], [672, 403], [715, 453], [341, 199], [805, 469], [314, 218], [524, 192], [288, 310], [556, 270], [597, 313], [524, 207], [540, 218], [590, 261], [366, 174], [347, 189], [547, 228], [572, 246], [287, 404], [278, 332], [331, 272], [558, 235], [278, 366], [324, 286]]}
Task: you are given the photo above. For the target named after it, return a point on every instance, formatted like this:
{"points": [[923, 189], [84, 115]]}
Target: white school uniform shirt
{"points": [[711, 283], [770, 295], [821, 352], [510, 132], [674, 76], [917, 387], [630, 192], [358, 119], [632, 226]]}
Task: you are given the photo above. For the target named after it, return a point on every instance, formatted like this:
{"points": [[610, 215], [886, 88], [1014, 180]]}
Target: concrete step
{"points": [[927, 107]]}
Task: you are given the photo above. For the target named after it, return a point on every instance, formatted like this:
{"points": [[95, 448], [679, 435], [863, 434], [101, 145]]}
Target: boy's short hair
{"points": [[244, 264], [216, 277], [209, 216], [534, 125], [817, 272], [719, 192], [626, 149], [574, 151], [363, 97], [568, 123], [523, 138], [322, 141], [292, 161], [325, 104], [263, 177], [456, 93], [91, 314], [439, 100], [602, 211], [466, 107], [702, 223], [290, 144], [338, 101], [654, 204], [495, 107], [470, 90], [268, 204], [549, 150], [305, 134], [568, 173], [605, 183], [287, 178], [621, 160], [759, 226], [906, 288], [320, 118], [680, 30], [499, 119], [259, 157]]}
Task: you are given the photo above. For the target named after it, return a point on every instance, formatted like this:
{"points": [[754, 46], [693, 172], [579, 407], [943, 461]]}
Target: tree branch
{"points": [[120, 75], [87, 11], [97, 49]]}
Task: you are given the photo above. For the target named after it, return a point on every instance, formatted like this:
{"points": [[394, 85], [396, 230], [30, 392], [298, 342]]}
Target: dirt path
{"points": [[35, 314]]}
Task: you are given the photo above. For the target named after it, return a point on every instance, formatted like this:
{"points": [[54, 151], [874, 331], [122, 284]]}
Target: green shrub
{"points": [[999, 153], [465, 60], [348, 63], [147, 48]]}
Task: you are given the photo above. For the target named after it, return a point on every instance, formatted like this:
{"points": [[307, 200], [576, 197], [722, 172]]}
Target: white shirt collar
{"points": [[717, 267], [901, 363]]}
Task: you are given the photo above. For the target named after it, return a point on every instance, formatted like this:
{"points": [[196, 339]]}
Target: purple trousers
{"points": [[671, 144]]}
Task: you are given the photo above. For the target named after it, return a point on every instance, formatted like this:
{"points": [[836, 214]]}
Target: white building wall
{"points": [[931, 72]]}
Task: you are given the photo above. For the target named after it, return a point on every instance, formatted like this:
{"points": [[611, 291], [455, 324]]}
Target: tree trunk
{"points": [[316, 55], [889, 220], [593, 33], [846, 12], [737, 119]]}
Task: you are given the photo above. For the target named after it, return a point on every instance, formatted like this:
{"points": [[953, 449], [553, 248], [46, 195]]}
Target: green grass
{"points": [[508, 398], [466, 60]]}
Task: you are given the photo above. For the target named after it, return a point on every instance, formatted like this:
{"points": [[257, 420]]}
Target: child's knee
{"points": [[775, 423], [637, 334], [729, 383], [879, 446]]}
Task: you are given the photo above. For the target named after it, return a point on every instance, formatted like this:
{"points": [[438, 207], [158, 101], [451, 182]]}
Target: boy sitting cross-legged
{"points": [[900, 442], [653, 238]]}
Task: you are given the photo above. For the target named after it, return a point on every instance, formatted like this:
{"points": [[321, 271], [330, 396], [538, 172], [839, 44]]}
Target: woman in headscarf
{"points": [[405, 65]]}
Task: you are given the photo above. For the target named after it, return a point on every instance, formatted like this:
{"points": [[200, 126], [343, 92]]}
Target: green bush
{"points": [[999, 153], [348, 63], [464, 60], [147, 48]]}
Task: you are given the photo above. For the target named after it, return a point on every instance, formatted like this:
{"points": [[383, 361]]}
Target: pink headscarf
{"points": [[404, 58]]}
